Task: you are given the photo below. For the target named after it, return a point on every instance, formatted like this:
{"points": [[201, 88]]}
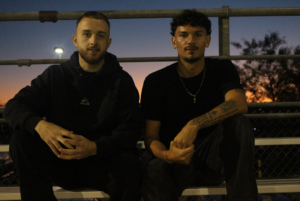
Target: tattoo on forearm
{"points": [[201, 120], [228, 105], [204, 120], [212, 113]]}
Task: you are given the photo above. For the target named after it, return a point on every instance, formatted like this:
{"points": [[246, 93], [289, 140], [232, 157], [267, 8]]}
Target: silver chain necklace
{"points": [[194, 95]]}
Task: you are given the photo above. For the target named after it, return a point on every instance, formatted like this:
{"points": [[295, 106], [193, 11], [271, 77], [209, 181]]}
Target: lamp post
{"points": [[59, 51]]}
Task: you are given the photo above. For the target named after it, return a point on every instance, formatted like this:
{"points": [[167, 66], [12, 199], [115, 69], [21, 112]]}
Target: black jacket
{"points": [[103, 106]]}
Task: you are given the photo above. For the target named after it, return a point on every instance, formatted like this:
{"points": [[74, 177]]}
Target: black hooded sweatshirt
{"points": [[102, 106]]}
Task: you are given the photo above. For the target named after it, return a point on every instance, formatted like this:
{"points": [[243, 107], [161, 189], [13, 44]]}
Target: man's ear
{"points": [[174, 42], [109, 42], [74, 39], [208, 39]]}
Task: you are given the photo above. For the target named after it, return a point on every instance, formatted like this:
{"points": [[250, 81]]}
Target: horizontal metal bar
{"points": [[61, 193], [213, 190], [275, 104], [221, 190], [28, 62], [140, 145], [273, 116], [277, 141], [267, 186], [4, 148], [13, 193], [2, 120], [264, 186], [163, 13]]}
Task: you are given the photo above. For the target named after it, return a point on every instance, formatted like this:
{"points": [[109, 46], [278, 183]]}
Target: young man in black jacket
{"points": [[194, 122], [77, 125]]}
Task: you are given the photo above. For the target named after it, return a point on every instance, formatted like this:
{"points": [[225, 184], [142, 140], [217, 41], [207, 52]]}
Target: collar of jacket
{"points": [[111, 66]]}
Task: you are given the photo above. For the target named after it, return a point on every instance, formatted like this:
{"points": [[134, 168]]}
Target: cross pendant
{"points": [[194, 99]]}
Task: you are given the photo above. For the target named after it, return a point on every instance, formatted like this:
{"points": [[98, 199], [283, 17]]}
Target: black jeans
{"points": [[226, 154], [38, 169]]}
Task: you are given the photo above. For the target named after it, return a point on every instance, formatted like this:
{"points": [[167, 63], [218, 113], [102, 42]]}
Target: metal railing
{"points": [[223, 15], [271, 160], [225, 11], [29, 62]]}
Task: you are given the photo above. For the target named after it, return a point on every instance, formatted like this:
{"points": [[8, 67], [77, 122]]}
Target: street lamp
{"points": [[59, 51]]}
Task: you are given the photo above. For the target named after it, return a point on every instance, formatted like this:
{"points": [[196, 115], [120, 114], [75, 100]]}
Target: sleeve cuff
{"points": [[31, 123], [103, 147]]}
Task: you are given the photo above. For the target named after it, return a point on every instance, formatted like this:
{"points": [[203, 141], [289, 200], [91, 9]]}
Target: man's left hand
{"points": [[185, 138], [83, 148]]}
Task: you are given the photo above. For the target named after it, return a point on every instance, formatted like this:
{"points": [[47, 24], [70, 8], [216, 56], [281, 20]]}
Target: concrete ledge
{"points": [[264, 186], [13, 193]]}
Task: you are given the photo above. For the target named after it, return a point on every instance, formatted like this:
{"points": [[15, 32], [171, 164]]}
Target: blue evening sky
{"points": [[130, 37]]}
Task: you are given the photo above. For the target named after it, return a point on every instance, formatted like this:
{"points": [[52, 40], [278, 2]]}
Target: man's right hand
{"points": [[53, 134], [180, 156]]}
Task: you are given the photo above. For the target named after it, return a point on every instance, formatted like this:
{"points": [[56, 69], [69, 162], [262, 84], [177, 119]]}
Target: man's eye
{"points": [[183, 35], [86, 34]]}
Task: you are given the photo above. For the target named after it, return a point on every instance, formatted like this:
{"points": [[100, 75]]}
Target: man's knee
{"points": [[237, 120], [239, 127], [155, 169], [126, 160], [19, 139], [126, 166]]}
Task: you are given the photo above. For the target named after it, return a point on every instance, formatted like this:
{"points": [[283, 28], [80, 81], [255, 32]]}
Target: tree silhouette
{"points": [[276, 80]]}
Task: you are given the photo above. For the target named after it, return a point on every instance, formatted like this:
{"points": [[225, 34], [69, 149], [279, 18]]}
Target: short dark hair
{"points": [[94, 15], [193, 18]]}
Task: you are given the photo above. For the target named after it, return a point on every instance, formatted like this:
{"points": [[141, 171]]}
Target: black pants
{"points": [[228, 153], [38, 169]]}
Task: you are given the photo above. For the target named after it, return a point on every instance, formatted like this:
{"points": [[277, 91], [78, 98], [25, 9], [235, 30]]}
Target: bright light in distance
{"points": [[58, 50]]}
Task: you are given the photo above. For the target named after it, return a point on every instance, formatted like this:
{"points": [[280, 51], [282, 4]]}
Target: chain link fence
{"points": [[279, 161], [282, 161]]}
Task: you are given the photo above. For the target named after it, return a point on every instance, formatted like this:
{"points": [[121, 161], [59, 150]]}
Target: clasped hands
{"points": [[182, 148], [77, 146]]}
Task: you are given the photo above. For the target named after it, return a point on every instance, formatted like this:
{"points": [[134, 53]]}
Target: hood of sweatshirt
{"points": [[83, 80]]}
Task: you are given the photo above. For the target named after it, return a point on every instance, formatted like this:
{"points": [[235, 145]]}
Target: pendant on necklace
{"points": [[194, 99]]}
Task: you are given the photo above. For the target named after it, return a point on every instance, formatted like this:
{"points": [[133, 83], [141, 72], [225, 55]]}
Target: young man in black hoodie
{"points": [[77, 125], [194, 122]]}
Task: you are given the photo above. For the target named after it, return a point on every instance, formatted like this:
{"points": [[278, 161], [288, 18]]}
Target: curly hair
{"points": [[193, 18], [93, 15]]}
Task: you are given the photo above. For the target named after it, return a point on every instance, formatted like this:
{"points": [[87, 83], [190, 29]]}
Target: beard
{"points": [[91, 59], [193, 58]]}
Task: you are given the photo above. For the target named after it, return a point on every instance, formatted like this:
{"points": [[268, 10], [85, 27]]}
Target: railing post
{"points": [[224, 42]]}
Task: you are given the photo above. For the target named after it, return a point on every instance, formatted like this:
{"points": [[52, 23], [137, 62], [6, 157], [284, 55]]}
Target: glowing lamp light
{"points": [[59, 51]]}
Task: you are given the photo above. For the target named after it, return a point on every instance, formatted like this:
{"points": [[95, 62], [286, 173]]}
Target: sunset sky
{"points": [[130, 37]]}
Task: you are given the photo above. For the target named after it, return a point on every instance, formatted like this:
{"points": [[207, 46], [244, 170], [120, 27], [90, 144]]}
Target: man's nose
{"points": [[190, 38], [92, 40]]}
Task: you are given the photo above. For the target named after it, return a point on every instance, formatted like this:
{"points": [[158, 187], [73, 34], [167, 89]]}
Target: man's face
{"points": [[190, 42], [92, 40]]}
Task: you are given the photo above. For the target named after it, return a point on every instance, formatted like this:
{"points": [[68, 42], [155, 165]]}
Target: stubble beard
{"points": [[91, 61], [193, 59]]}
